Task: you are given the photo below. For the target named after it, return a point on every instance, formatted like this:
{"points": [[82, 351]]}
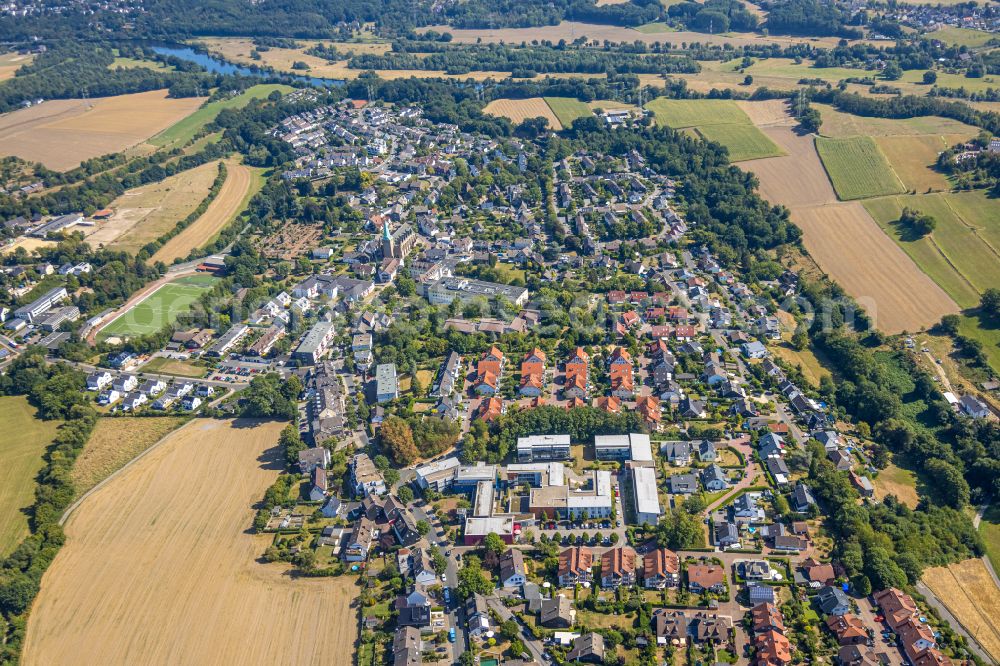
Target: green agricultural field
{"points": [[962, 36], [718, 120], [159, 309], [989, 529], [679, 113], [987, 331], [184, 131], [743, 142], [568, 109], [657, 27], [21, 449], [961, 254], [857, 168]]}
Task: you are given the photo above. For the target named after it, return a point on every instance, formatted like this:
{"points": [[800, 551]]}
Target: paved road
{"points": [[953, 621], [86, 367]]}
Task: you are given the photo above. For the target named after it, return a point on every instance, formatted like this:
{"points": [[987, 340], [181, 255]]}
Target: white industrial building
{"points": [[647, 501]]}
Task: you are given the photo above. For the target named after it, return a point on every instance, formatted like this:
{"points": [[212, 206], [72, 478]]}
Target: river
{"points": [[218, 66]]}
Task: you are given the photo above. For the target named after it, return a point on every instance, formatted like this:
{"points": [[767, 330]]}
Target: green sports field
{"points": [[160, 308], [857, 168], [568, 109]]}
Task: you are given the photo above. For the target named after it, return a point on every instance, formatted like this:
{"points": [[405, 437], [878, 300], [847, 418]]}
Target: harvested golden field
{"points": [[767, 113], [843, 238], [571, 30], [913, 159], [797, 178], [968, 590], [159, 567], [848, 245], [144, 213], [114, 442], [241, 183], [11, 62], [518, 110], [62, 133]]}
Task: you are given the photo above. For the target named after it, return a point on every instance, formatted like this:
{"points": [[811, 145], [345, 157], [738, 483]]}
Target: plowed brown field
{"points": [[159, 567]]}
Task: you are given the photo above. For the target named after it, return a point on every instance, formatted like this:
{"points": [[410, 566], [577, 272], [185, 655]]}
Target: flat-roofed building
{"points": [[536, 474], [543, 447], [315, 343], [229, 339], [634, 446], [647, 501], [468, 477], [447, 289], [502, 524], [32, 311], [483, 501], [437, 475], [386, 383]]}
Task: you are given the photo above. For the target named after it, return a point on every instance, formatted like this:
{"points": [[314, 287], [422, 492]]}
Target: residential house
{"points": [[575, 566], [588, 648], [618, 567], [512, 570], [557, 613], [833, 601], [848, 629], [661, 568], [706, 577], [714, 478]]}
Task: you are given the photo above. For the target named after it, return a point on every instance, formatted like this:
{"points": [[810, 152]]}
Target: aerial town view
{"points": [[473, 332]]}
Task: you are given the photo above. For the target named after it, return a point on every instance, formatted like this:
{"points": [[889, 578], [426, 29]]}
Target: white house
{"points": [[98, 380]]}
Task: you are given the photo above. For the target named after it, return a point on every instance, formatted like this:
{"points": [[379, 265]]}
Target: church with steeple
{"points": [[397, 244]]}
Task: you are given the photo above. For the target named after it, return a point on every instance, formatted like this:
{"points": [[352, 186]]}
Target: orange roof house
{"points": [[610, 404], [490, 409], [773, 649]]}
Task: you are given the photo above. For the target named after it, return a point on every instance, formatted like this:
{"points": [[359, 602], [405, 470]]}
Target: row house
{"points": [[532, 374], [489, 370], [577, 382], [621, 373]]}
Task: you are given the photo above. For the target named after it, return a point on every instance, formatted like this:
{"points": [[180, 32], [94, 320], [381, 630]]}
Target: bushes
{"points": [[150, 248]]}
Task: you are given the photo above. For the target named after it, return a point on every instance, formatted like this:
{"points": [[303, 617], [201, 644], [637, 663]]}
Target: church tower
{"points": [[388, 251]]}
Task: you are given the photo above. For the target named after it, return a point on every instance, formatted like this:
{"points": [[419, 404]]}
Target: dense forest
{"points": [[535, 59]]}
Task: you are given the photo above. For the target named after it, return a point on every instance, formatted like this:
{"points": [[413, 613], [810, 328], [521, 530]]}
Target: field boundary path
{"points": [[72, 507], [986, 558]]}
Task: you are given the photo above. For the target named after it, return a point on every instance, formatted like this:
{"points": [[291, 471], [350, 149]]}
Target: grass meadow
{"points": [[961, 254], [21, 449], [857, 168], [183, 131], [568, 109], [719, 120]]}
